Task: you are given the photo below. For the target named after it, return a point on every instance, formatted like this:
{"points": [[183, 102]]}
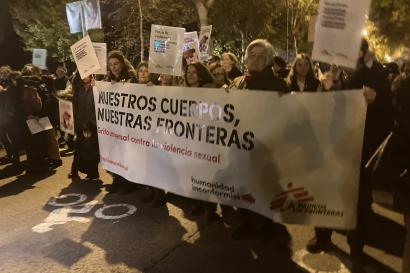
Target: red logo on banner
{"points": [[291, 197], [248, 198]]}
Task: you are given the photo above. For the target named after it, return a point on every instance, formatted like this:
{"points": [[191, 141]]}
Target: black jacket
{"points": [[264, 80], [83, 105], [60, 84], [379, 116], [234, 73], [311, 85], [402, 117]]}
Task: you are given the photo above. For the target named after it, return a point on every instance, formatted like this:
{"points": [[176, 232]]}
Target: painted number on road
{"points": [[64, 214], [299, 256]]}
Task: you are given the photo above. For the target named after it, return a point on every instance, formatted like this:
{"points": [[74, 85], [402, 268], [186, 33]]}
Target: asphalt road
{"points": [[41, 232]]}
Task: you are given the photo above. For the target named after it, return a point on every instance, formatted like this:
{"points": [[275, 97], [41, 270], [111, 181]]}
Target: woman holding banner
{"points": [[197, 75], [259, 61], [231, 65], [302, 77], [119, 70], [221, 79], [144, 76], [154, 195]]}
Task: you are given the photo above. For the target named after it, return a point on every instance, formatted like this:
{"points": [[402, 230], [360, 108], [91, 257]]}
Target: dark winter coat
{"points": [[311, 85], [83, 105], [234, 73], [379, 116], [264, 80]]}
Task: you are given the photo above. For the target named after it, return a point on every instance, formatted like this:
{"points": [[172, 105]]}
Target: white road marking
{"points": [[300, 254], [54, 200], [61, 216], [100, 212]]}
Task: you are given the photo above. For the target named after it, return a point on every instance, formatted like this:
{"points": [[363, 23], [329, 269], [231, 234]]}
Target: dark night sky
{"points": [[11, 48]]}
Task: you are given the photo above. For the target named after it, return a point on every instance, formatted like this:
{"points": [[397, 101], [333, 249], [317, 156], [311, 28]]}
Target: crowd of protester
{"points": [[29, 93]]}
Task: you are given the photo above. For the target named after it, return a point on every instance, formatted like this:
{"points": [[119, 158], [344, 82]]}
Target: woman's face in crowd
{"points": [[115, 66], [302, 68], [226, 62], [219, 75], [256, 61], [60, 73], [166, 80], [143, 74], [87, 80], [192, 76]]}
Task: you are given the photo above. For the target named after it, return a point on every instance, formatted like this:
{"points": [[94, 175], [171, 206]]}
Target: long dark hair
{"points": [[127, 71], [204, 76], [293, 74]]}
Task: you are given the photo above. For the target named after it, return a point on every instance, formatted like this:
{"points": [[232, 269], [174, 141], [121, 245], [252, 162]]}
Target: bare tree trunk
{"points": [[287, 31], [242, 46], [202, 8], [295, 44], [141, 32], [202, 12]]}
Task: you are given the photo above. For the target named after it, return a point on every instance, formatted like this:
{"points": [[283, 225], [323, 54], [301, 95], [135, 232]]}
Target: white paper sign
{"points": [[204, 40], [339, 31], [40, 58], [191, 47], [293, 158], [85, 57], [66, 116], [165, 53], [37, 125], [101, 51], [74, 14]]}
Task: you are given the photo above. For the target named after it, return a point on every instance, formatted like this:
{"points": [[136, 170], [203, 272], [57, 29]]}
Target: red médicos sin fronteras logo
{"points": [[290, 198]]}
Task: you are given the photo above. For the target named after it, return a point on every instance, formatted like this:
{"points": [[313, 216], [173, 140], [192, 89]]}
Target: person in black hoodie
{"points": [[302, 76], [86, 156], [371, 77], [260, 76], [401, 142]]}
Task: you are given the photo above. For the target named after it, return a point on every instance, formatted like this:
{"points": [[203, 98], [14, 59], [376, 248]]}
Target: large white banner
{"points": [[85, 57], [338, 32], [165, 51], [293, 158]]}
